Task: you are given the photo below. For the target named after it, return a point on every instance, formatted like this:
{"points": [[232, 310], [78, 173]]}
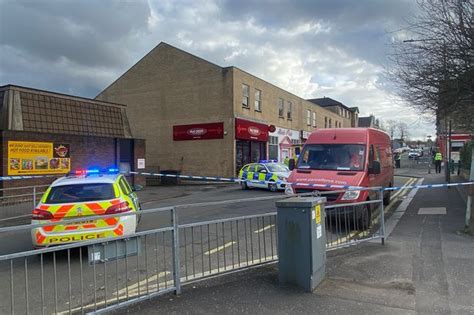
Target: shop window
{"points": [[273, 148], [288, 112], [308, 117], [314, 119], [281, 108], [245, 95], [258, 100]]}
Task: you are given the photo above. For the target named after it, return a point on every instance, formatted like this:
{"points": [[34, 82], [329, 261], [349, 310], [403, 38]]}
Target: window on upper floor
{"points": [[281, 108], [258, 100], [289, 108], [314, 119], [245, 95], [325, 122], [308, 117], [330, 123]]}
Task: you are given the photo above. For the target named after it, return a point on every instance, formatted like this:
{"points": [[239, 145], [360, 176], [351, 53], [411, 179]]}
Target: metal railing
{"points": [[22, 194], [60, 279]]}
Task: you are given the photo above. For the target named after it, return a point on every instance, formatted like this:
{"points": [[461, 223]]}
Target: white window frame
{"points": [[245, 98], [258, 100], [281, 107], [308, 117], [314, 119], [289, 106]]}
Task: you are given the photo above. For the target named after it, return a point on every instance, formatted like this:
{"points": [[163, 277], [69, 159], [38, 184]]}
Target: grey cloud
{"points": [[83, 32]]}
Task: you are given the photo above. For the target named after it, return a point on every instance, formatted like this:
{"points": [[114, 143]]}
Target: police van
{"points": [[83, 194], [266, 174]]}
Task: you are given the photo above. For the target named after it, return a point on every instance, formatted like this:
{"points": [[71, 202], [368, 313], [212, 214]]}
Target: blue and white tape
{"points": [[4, 178], [237, 180]]}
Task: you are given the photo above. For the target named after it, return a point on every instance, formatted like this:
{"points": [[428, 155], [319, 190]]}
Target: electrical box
{"points": [[301, 241]]}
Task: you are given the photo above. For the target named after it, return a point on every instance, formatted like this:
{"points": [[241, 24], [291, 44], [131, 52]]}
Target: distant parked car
{"points": [[414, 154]]}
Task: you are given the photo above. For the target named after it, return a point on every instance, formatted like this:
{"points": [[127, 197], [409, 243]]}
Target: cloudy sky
{"points": [[333, 48]]}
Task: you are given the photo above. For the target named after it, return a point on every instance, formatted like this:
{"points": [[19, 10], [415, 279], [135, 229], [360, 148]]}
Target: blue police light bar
{"points": [[95, 171], [267, 161]]}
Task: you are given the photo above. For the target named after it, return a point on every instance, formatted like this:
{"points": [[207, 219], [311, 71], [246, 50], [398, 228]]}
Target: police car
{"points": [[82, 194], [265, 174]]}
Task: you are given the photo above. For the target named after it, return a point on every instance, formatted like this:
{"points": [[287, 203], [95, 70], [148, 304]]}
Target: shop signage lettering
{"points": [[36, 158], [254, 131], [249, 130], [198, 131]]}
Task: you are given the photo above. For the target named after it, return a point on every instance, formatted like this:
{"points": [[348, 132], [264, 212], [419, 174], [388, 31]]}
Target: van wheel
{"points": [[244, 185], [386, 197], [273, 187], [364, 219]]}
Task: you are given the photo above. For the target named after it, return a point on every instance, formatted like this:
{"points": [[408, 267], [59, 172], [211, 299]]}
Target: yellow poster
{"points": [[317, 209], [37, 158]]}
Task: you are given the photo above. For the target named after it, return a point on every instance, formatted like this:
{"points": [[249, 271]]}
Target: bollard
{"points": [[301, 241]]}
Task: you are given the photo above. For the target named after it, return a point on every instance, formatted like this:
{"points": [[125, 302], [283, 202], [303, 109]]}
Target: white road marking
{"points": [[400, 193], [264, 229], [219, 248], [400, 211], [133, 289], [151, 281]]}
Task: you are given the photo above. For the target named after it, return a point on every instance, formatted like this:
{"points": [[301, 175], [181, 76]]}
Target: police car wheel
{"points": [[244, 185], [273, 187]]}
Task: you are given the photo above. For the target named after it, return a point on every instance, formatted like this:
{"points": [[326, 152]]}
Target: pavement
{"points": [[425, 267]]}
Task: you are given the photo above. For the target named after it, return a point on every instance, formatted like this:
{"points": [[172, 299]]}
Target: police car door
{"points": [[260, 175], [128, 191]]}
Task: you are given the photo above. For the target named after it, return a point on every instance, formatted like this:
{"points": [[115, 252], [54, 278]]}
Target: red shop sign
{"points": [[249, 130], [198, 131]]}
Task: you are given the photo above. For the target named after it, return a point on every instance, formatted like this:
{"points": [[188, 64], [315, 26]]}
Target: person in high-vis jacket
{"points": [[438, 158]]}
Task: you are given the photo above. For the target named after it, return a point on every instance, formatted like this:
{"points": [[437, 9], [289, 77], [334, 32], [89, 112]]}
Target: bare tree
{"points": [[390, 126], [433, 70], [402, 129]]}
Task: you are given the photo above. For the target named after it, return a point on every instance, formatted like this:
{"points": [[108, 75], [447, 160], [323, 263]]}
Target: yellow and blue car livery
{"points": [[84, 194], [265, 174]]}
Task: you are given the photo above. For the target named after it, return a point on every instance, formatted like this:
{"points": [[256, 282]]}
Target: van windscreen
{"points": [[337, 157]]}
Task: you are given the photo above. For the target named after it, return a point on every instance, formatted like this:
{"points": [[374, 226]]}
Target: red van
{"points": [[345, 156]]}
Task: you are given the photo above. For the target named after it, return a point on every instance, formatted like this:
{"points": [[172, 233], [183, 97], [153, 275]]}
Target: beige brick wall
{"points": [[171, 87], [270, 96]]}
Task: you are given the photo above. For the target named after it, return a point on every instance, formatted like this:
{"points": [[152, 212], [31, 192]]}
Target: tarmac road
{"points": [[223, 246]]}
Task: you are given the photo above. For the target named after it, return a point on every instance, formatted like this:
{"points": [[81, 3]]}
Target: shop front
{"points": [[283, 144], [251, 142]]}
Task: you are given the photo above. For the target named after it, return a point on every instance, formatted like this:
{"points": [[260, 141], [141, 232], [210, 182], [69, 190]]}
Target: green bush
{"points": [[465, 155]]}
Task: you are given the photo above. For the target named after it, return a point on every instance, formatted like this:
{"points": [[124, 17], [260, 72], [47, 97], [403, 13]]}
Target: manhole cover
{"points": [[433, 210]]}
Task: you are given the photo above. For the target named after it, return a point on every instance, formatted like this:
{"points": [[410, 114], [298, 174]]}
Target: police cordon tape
{"points": [[238, 180]]}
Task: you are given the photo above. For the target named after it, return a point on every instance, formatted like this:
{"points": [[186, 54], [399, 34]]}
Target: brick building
{"points": [[45, 133], [200, 118], [350, 113]]}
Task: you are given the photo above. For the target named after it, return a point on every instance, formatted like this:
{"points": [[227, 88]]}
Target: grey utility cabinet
{"points": [[301, 241]]}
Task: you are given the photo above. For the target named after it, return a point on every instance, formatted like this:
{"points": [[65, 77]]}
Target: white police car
{"points": [[265, 174]]}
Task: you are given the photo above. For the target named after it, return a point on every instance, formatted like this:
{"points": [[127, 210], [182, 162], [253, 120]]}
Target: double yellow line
{"points": [[400, 193]]}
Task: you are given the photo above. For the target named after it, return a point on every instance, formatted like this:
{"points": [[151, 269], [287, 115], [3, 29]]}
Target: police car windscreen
{"points": [[348, 157], [274, 168], [80, 193]]}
